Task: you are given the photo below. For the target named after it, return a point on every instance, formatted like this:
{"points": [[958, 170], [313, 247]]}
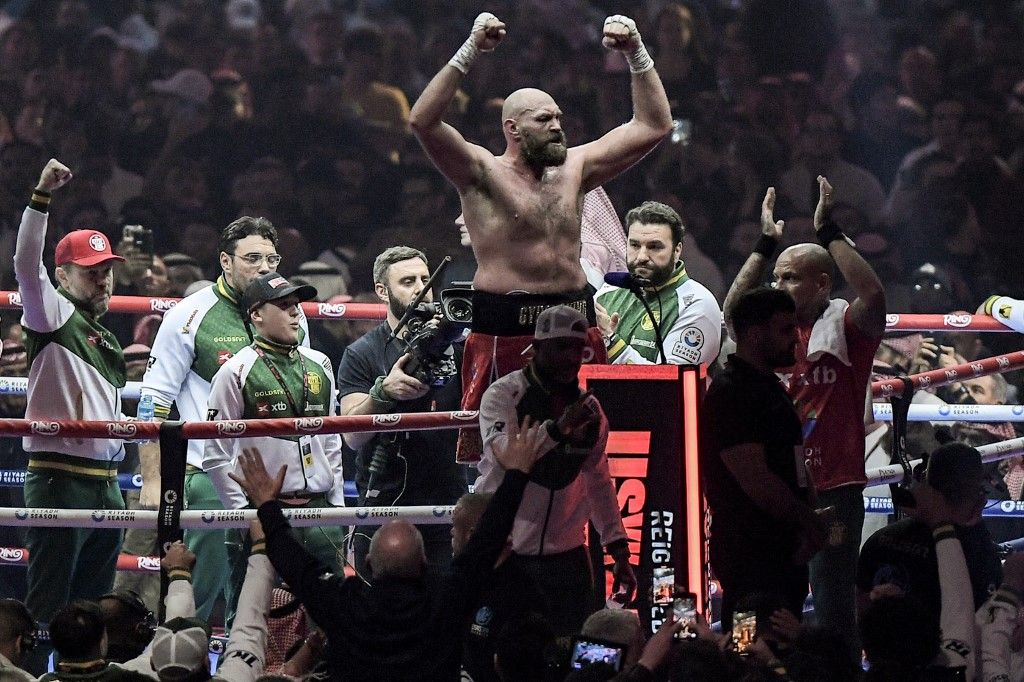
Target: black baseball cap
{"points": [[272, 287]]}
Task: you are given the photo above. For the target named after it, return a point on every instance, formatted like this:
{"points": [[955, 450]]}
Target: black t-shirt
{"points": [[745, 405], [903, 553], [421, 468]]}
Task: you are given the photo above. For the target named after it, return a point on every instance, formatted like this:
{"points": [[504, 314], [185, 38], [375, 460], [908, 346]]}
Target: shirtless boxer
{"points": [[523, 208]]}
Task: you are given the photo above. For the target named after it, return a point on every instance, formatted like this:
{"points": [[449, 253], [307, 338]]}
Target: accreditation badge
{"points": [[306, 452]]}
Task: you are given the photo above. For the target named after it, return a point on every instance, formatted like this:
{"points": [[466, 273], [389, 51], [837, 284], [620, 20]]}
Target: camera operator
{"points": [[376, 376]]}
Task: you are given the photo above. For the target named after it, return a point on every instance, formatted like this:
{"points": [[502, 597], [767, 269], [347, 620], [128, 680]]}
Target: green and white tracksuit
{"points": [[266, 381], [691, 323], [196, 337], [247, 388], [77, 371]]}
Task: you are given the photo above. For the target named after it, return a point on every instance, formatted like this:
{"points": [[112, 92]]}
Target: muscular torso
{"points": [[526, 230]]}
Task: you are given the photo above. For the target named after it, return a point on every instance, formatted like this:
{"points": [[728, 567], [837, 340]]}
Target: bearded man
{"points": [[689, 316], [523, 208], [408, 467]]}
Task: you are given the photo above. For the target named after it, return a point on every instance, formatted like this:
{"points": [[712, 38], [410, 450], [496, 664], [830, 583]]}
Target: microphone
{"points": [[626, 280], [623, 280]]}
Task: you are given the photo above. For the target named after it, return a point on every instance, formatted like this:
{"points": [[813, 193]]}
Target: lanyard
{"points": [[277, 375]]}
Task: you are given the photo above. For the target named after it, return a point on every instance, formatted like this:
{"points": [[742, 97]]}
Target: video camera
{"points": [[433, 328]]}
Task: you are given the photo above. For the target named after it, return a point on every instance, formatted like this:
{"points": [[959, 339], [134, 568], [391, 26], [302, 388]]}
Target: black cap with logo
{"points": [[272, 287]]}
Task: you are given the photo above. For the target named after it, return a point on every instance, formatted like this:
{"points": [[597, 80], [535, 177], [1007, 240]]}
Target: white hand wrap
{"points": [[467, 54], [639, 60]]}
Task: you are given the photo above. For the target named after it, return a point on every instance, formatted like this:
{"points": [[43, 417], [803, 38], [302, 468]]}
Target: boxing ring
{"points": [[652, 453]]}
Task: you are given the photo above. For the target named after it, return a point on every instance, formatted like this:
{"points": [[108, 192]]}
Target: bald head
{"points": [[396, 550], [812, 256], [523, 100], [806, 272]]}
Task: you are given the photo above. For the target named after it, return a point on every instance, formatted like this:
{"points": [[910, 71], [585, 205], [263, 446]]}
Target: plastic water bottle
{"points": [[144, 413]]}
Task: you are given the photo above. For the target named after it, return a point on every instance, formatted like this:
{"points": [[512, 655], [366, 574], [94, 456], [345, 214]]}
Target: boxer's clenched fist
{"points": [[487, 31], [620, 33]]}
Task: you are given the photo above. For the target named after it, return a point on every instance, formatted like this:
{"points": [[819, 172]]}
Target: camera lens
{"points": [[460, 310]]}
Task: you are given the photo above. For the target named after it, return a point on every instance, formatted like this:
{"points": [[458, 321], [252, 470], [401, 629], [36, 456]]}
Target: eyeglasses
{"points": [[273, 259]]}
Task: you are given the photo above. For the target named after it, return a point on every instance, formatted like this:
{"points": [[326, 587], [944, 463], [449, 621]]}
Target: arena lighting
{"points": [[694, 498]]}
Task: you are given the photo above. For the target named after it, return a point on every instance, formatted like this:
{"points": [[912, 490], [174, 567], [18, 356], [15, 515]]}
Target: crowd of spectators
{"points": [[182, 115]]}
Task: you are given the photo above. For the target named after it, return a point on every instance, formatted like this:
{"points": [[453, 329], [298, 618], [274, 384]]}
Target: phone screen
{"points": [[744, 630], [590, 651], [663, 585], [684, 608]]}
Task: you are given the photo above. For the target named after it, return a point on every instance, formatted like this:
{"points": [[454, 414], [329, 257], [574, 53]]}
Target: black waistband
{"points": [[516, 314]]}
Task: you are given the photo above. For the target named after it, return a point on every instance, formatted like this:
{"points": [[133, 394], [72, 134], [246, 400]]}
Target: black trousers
{"points": [[743, 569], [566, 581]]}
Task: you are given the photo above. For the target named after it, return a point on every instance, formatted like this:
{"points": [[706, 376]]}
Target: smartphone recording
{"points": [[744, 630], [587, 651], [684, 610]]}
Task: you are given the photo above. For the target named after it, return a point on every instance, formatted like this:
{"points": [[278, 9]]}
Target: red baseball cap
{"points": [[85, 248]]}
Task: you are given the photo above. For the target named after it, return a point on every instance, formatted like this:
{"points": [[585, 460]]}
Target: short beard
{"points": [[396, 308], [659, 275], [542, 154]]}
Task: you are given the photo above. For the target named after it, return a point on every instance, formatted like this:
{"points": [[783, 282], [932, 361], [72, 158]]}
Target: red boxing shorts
{"points": [[503, 326]]}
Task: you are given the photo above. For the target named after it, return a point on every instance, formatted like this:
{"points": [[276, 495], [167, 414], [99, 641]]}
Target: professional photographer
{"points": [[415, 372]]}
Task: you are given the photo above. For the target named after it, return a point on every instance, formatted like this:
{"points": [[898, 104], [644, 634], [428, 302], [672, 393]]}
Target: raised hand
{"points": [[769, 226], [178, 556], [54, 176], [620, 34], [821, 211], [522, 447], [607, 323], [487, 31]]}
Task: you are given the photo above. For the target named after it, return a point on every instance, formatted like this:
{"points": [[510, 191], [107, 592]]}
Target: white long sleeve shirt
{"points": [[548, 522]]}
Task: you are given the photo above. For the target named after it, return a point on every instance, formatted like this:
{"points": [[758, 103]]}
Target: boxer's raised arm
{"points": [[460, 161], [620, 148]]}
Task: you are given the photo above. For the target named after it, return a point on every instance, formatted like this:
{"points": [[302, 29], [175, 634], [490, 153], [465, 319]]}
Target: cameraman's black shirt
{"points": [[433, 477]]}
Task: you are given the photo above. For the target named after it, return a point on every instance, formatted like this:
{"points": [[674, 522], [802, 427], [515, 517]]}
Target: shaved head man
{"points": [[396, 550], [836, 345], [523, 209]]}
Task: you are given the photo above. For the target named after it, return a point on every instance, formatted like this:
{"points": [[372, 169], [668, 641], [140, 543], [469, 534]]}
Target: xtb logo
{"points": [[820, 375]]}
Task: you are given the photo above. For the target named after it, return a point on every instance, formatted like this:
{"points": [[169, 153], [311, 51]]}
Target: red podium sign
{"points": [[653, 458]]}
